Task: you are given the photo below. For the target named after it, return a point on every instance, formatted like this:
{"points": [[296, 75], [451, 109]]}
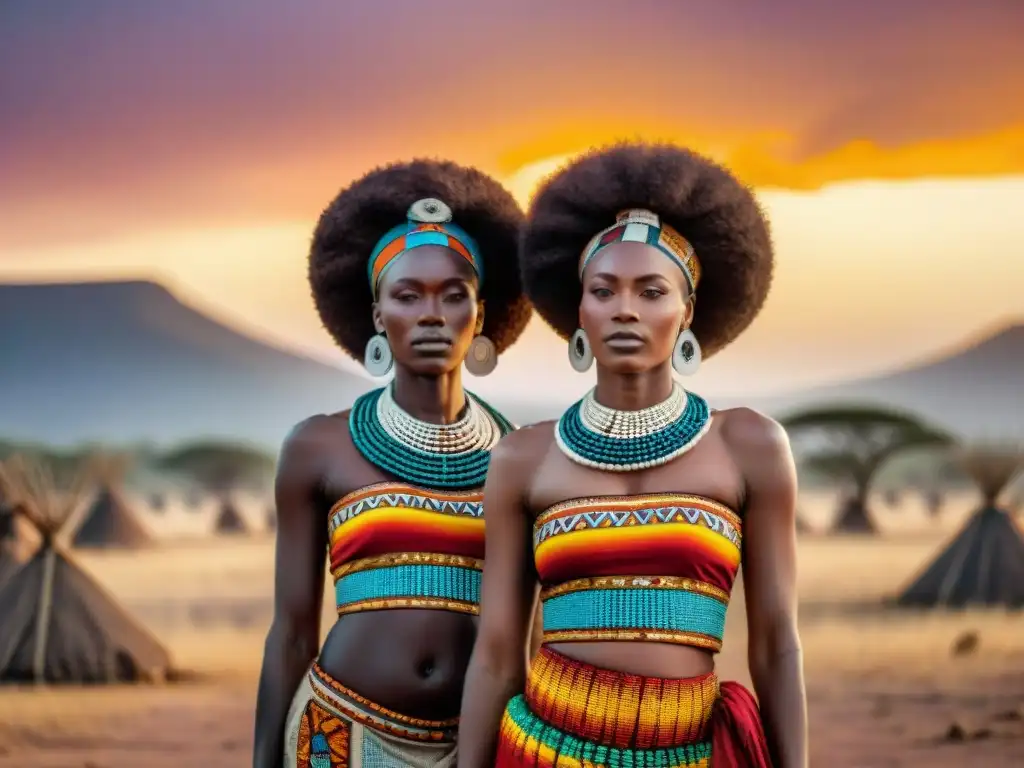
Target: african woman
{"points": [[633, 512], [413, 269]]}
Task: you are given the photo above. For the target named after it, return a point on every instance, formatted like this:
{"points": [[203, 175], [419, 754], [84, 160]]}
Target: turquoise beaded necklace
{"points": [[625, 441], [444, 458]]}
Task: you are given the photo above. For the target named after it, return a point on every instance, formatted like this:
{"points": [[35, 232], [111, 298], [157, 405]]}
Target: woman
{"points": [[413, 268], [631, 509]]}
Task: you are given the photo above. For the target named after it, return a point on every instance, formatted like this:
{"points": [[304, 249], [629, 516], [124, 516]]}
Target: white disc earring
{"points": [[581, 357], [686, 355], [378, 357], [483, 356]]}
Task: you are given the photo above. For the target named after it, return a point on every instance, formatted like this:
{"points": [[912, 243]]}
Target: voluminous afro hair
{"points": [[361, 214], [703, 201]]}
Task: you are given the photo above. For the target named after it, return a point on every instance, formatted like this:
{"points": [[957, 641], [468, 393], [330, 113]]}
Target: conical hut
{"points": [[59, 625], [108, 522], [984, 563], [229, 519], [12, 544]]}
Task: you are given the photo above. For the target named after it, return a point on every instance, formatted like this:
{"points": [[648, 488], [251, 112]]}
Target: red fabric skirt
{"points": [[574, 715]]}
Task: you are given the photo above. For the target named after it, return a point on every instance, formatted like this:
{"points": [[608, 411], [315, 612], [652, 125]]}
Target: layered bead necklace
{"points": [[596, 436], [446, 456]]}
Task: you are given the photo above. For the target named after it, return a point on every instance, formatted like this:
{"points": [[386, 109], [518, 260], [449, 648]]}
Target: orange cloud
{"points": [[190, 117], [764, 160]]}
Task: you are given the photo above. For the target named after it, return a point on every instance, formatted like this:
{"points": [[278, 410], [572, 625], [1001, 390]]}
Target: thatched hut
{"points": [[59, 625], [108, 521], [984, 563]]}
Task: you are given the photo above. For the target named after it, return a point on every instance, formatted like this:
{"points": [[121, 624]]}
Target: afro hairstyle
{"points": [[361, 214], [704, 202]]}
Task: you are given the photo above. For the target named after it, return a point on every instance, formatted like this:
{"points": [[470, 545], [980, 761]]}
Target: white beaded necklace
{"points": [[476, 429], [629, 424], [610, 440]]}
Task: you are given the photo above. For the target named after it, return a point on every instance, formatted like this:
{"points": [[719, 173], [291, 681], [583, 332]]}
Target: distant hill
{"points": [[976, 392], [127, 361]]}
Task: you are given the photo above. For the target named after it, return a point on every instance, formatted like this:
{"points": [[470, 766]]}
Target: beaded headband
{"points": [[429, 222], [642, 226]]}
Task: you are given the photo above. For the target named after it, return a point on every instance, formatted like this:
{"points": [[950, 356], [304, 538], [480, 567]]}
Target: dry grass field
{"points": [[884, 687]]}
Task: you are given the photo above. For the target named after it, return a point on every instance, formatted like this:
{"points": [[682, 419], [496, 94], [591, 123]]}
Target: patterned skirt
{"points": [[331, 726], [574, 715]]}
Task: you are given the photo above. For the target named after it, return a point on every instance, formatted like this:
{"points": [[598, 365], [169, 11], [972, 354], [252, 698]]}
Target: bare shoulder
{"points": [[525, 448], [313, 438], [748, 432], [760, 447]]}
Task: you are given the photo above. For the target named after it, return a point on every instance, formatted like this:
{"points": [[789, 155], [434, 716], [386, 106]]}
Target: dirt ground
{"points": [[884, 687]]}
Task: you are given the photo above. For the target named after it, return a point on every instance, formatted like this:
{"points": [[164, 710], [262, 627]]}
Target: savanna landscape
{"points": [[887, 686], [165, 164]]}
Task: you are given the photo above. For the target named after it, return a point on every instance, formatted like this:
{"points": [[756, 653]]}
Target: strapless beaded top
{"points": [[656, 567], [395, 545]]}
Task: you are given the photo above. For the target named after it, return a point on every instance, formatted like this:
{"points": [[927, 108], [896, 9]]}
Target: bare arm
{"points": [[300, 556], [496, 670], [769, 578]]}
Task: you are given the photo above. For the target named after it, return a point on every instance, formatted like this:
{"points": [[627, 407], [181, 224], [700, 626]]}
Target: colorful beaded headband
{"points": [[641, 226], [429, 223]]}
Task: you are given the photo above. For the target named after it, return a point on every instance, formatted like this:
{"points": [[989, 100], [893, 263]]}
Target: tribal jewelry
{"points": [[432, 455], [624, 441]]}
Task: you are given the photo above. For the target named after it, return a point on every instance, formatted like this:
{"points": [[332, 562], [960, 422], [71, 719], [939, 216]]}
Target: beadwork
{"points": [[345, 703], [433, 455], [573, 713], [397, 546], [596, 436], [658, 567]]}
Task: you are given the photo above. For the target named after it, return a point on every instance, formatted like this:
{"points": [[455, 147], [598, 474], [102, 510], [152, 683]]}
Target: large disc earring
{"points": [[686, 355], [580, 355], [482, 357], [378, 357]]}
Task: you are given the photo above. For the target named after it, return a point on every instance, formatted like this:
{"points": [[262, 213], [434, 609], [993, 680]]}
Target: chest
{"points": [[708, 470]]}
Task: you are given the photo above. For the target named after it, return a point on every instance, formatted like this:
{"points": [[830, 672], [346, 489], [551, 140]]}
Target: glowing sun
{"points": [[524, 182]]}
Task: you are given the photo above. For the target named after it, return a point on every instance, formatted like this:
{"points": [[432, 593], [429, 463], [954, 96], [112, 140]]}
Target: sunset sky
{"points": [[196, 142]]}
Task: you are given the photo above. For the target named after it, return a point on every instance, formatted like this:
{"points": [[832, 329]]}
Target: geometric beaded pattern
{"points": [[712, 516], [409, 497], [324, 739], [643, 226], [393, 545], [346, 703], [655, 567]]}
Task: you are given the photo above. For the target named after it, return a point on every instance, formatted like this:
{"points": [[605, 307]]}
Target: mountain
{"points": [[976, 392], [128, 362]]}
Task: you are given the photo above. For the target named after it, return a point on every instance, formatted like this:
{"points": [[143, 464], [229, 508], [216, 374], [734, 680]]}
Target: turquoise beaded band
{"points": [[440, 471], [572, 750], [671, 615], [409, 586], [605, 451]]}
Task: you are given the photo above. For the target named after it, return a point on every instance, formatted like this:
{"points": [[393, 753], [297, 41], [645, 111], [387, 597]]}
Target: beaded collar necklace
{"points": [[442, 456], [624, 441]]}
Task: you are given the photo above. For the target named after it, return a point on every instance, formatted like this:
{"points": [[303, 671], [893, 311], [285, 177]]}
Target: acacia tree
{"points": [[220, 468], [851, 444]]}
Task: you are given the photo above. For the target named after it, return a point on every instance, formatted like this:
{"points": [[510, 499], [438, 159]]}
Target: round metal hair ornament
{"points": [[430, 210]]}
